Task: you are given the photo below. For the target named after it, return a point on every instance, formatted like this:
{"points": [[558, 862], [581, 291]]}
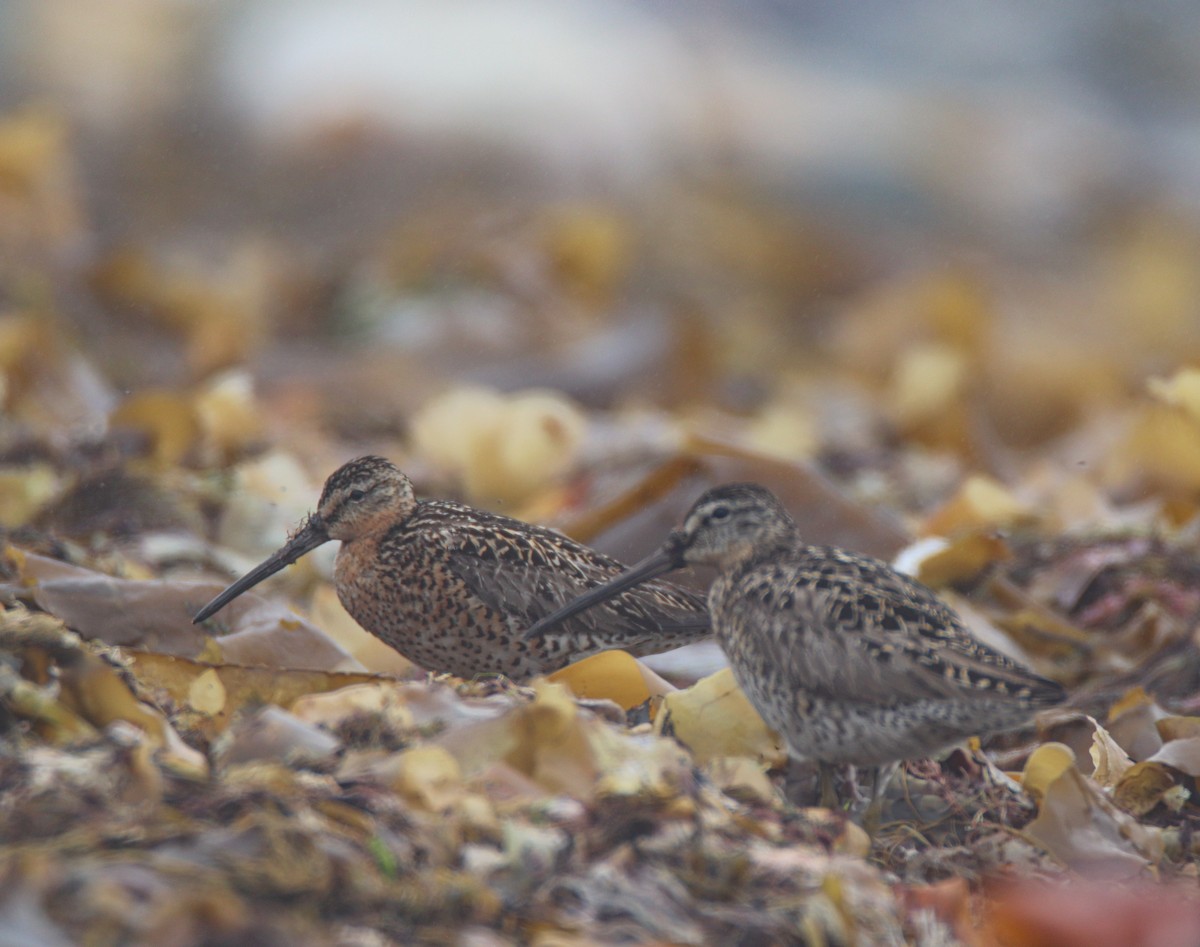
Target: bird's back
{"points": [[853, 637], [453, 588]]}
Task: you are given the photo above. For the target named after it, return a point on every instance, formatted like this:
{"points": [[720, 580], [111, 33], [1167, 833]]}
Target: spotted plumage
{"points": [[848, 659], [452, 588]]}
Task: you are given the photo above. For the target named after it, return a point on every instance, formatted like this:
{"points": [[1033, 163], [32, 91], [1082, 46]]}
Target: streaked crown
{"points": [[729, 522], [364, 495]]}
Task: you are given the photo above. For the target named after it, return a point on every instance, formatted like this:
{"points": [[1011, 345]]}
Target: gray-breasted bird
{"points": [[847, 659]]}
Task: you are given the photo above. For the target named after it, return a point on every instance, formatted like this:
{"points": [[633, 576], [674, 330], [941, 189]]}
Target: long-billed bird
{"points": [[452, 588], [847, 659]]}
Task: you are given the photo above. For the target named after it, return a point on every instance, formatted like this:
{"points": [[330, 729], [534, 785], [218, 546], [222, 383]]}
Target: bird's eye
{"points": [[357, 494], [720, 513]]}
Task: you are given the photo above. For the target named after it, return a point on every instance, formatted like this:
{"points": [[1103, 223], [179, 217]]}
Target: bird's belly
{"points": [[450, 633], [816, 722], [868, 735], [829, 730]]}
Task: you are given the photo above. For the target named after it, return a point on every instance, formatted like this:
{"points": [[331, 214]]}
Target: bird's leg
{"points": [[878, 781], [829, 796], [798, 782]]}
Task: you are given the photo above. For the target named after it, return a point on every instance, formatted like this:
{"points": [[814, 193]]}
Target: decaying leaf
{"points": [[927, 384], [1110, 762], [563, 749], [615, 676], [962, 559], [1160, 451], [741, 778], [206, 693], [1045, 765], [41, 208], [223, 319], [590, 249], [784, 431], [1079, 825], [1182, 755], [216, 692], [90, 689], [167, 420], [503, 448], [156, 615], [1142, 787], [1131, 721], [40, 706], [1181, 390], [24, 490], [270, 734], [230, 420], [981, 503], [428, 777], [713, 719]]}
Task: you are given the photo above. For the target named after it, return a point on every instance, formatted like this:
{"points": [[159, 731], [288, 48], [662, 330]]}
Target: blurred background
{"points": [[895, 245]]}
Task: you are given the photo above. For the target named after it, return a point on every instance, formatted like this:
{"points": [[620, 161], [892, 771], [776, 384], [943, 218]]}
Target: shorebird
{"points": [[452, 588], [850, 661]]}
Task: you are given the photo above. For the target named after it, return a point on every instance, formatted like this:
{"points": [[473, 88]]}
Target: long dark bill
{"points": [[311, 535], [665, 560]]}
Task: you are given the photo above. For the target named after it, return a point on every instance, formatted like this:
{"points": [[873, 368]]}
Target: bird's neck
{"points": [[745, 555]]}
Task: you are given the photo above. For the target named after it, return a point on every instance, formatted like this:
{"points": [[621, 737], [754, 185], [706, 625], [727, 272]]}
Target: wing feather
{"points": [[844, 624], [527, 572]]}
